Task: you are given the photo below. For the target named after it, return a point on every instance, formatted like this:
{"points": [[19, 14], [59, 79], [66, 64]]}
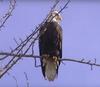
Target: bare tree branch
{"points": [[14, 79], [89, 62], [64, 6], [17, 55], [8, 13], [83, 61], [26, 79]]}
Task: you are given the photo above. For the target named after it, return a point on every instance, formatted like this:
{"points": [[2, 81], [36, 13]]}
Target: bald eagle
{"points": [[50, 46]]}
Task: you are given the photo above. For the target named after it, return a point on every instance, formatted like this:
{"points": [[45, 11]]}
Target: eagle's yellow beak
{"points": [[59, 17]]}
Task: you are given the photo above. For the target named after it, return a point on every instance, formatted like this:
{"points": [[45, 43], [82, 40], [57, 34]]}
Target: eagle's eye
{"points": [[56, 14]]}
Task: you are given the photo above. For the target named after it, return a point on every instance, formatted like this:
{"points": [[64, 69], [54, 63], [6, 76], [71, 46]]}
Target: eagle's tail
{"points": [[51, 68]]}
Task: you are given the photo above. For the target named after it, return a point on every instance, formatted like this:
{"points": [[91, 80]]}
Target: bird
{"points": [[50, 46]]}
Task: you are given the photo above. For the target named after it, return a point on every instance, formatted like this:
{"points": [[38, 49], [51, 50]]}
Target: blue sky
{"points": [[81, 23]]}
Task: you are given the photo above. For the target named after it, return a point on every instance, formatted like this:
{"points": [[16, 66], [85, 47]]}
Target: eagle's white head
{"points": [[55, 16]]}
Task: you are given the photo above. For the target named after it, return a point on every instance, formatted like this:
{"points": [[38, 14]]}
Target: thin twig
{"points": [[14, 79], [79, 61], [64, 6], [8, 13], [27, 82]]}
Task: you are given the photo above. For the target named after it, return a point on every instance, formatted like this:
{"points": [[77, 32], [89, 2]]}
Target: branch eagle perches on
{"points": [[82, 60], [22, 49]]}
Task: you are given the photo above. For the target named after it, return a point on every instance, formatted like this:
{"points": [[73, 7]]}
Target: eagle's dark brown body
{"points": [[50, 46]]}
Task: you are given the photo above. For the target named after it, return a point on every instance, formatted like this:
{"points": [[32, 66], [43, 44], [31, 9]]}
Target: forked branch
{"points": [[7, 15]]}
